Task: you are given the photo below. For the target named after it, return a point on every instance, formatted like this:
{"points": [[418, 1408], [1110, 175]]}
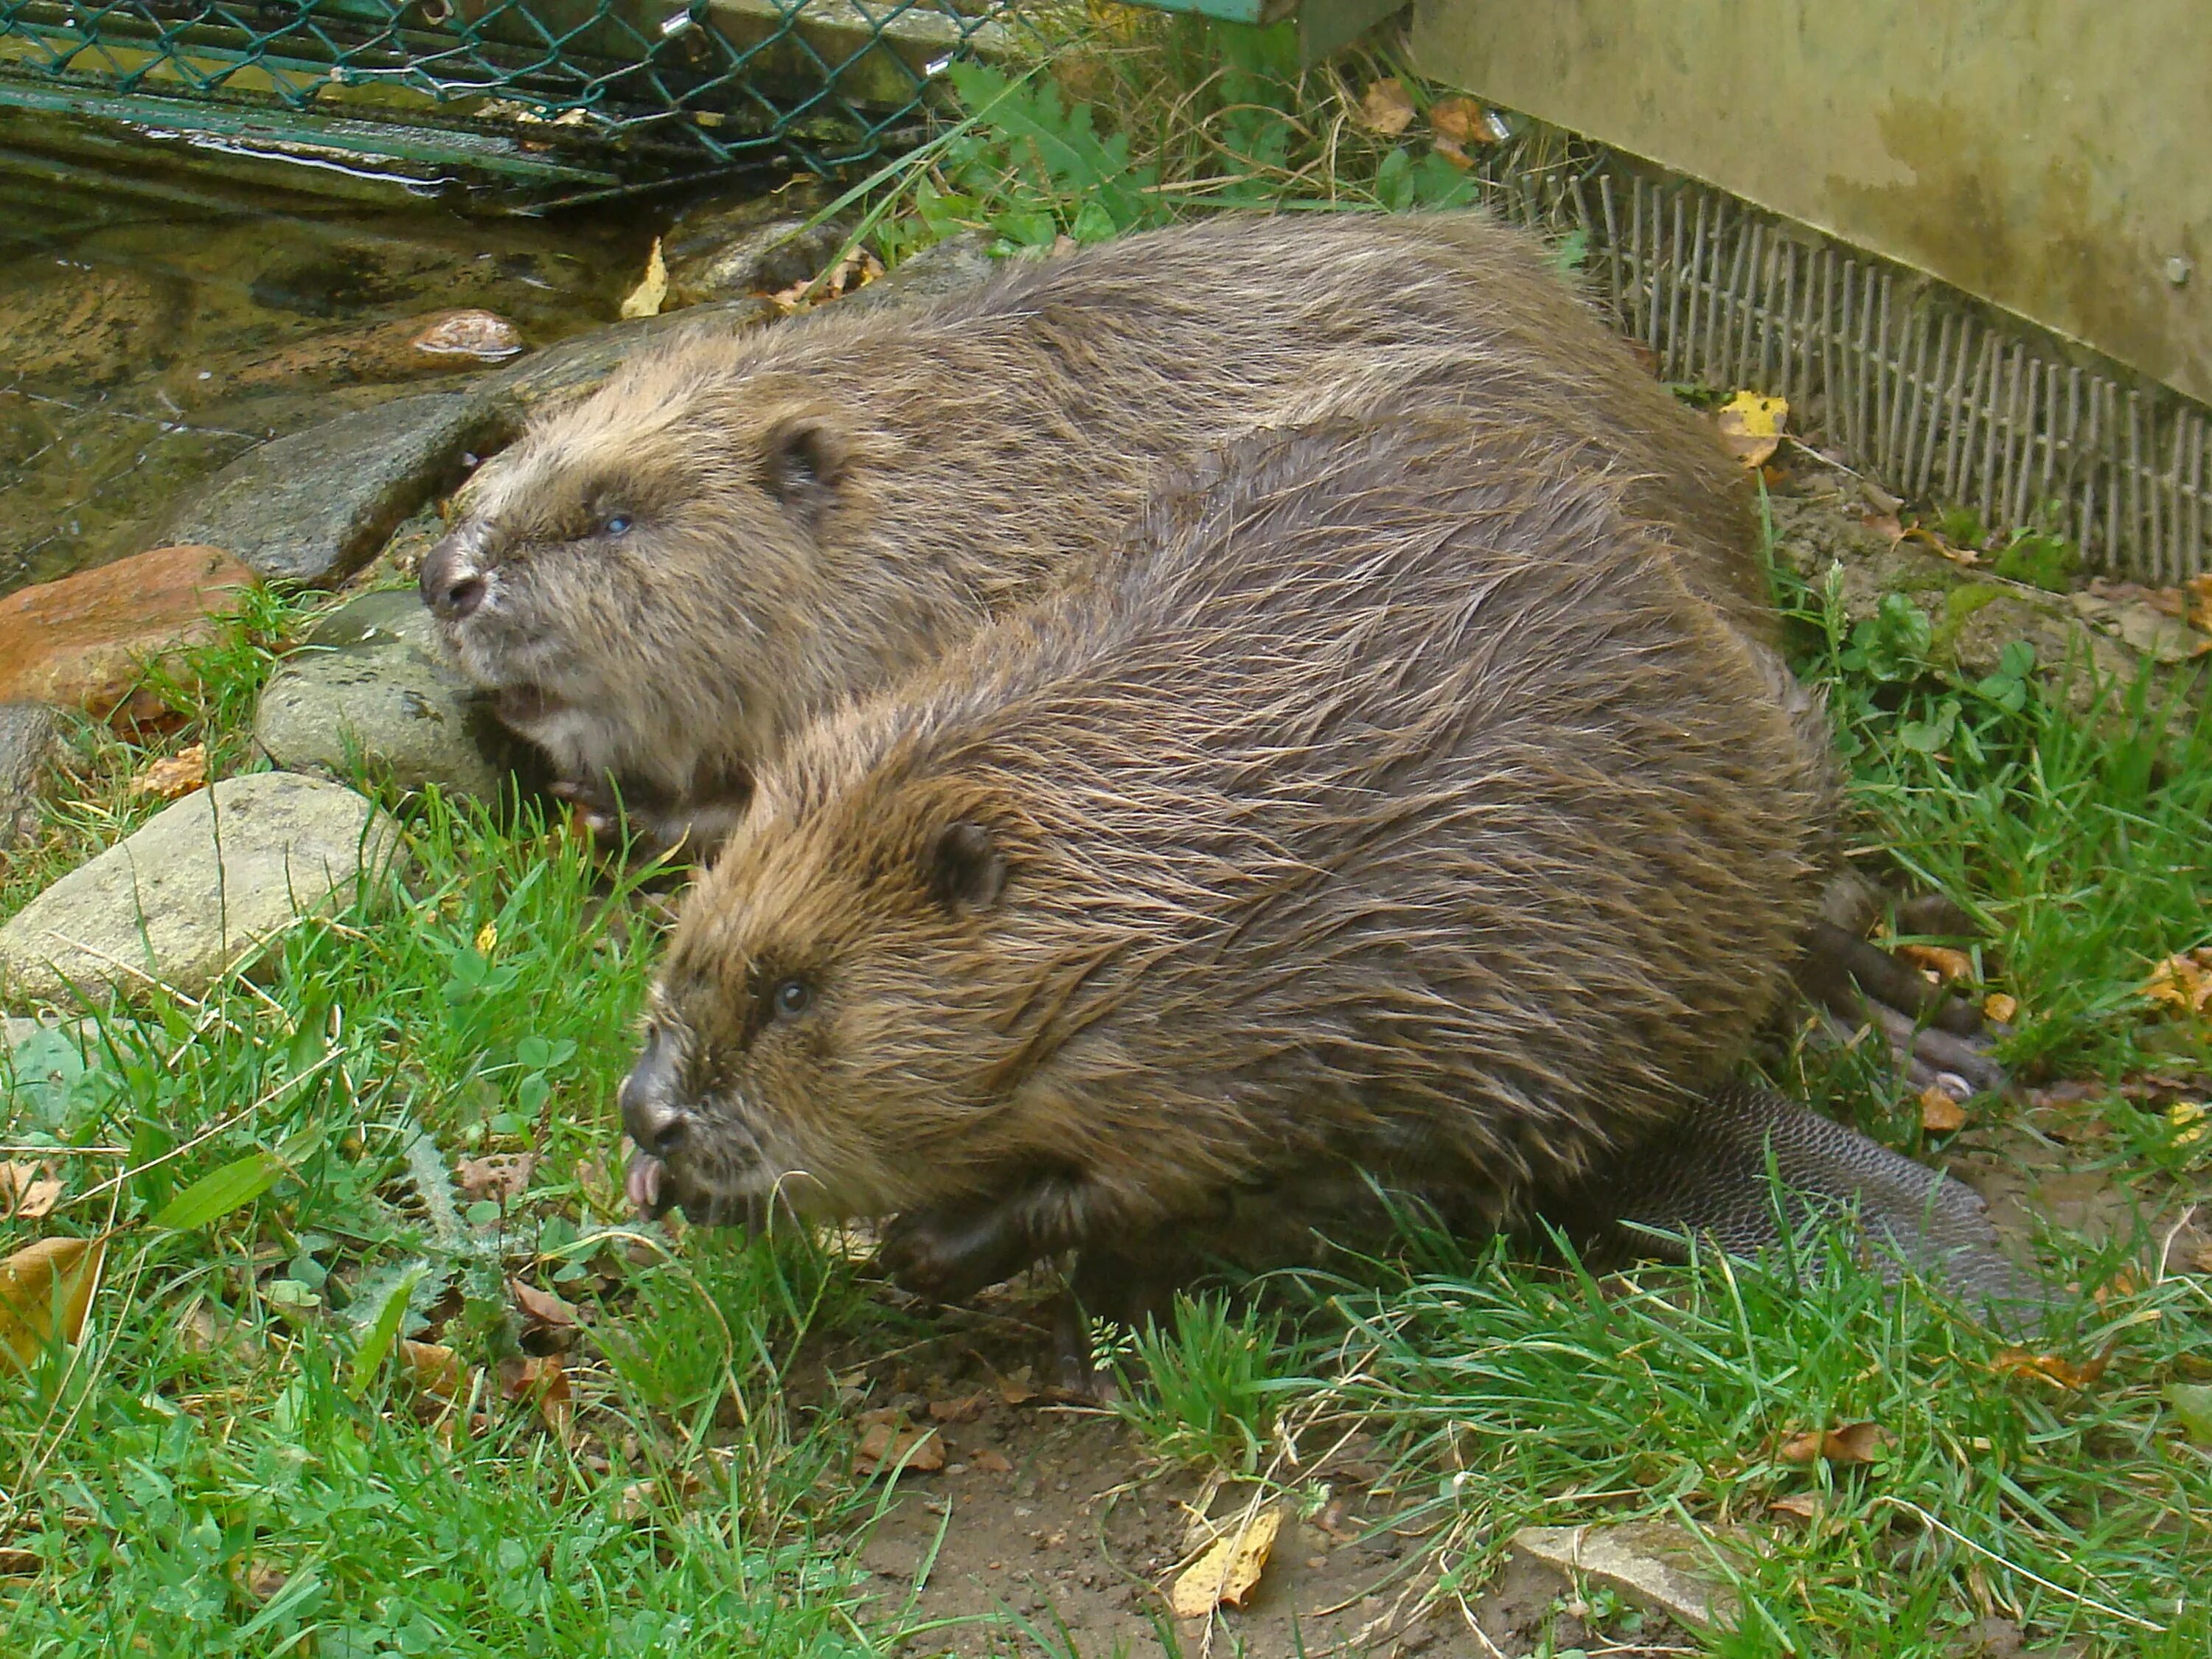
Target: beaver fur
{"points": [[662, 584], [1391, 803]]}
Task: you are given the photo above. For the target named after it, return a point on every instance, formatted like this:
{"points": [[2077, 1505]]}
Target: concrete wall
{"points": [[2053, 156]]}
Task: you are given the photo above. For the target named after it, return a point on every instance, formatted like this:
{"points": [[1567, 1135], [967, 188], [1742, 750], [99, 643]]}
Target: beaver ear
{"points": [[803, 457], [964, 867]]}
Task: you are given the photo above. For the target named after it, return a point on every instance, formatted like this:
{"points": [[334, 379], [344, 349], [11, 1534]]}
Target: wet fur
{"points": [[819, 508], [1390, 800]]}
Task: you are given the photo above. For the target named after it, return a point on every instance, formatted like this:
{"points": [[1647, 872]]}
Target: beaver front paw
{"points": [[949, 1253]]}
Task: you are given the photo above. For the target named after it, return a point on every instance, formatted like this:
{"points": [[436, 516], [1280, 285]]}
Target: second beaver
{"points": [[665, 582], [1390, 803]]}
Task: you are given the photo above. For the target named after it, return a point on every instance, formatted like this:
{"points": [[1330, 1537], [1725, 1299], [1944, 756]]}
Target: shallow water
{"points": [[151, 329]]}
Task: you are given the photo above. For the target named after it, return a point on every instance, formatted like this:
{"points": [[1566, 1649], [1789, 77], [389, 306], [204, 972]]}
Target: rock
{"points": [[371, 688], [1656, 1564], [28, 732], [507, 397], [195, 892], [947, 267], [74, 326], [316, 506], [715, 261], [82, 640], [440, 342]]}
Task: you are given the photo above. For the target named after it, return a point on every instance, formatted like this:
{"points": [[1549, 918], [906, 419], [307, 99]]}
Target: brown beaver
{"points": [[663, 583], [1391, 803]]}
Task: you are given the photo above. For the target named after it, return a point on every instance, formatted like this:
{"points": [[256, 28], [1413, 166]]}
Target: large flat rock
{"points": [[84, 640], [315, 507], [195, 892]]}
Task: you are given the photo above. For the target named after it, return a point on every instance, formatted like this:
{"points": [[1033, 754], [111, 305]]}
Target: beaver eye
{"points": [[794, 997], [615, 523]]}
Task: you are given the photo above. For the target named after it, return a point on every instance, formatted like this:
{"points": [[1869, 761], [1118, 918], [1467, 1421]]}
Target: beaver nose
{"points": [[451, 585], [650, 1115]]}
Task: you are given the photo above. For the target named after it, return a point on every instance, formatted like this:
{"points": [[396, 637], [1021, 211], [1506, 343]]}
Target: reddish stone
{"points": [[86, 639]]}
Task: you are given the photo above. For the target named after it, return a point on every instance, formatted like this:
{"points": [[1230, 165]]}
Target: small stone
{"points": [[1657, 1564], [436, 343], [315, 507], [83, 640], [371, 689], [763, 258], [956, 264], [28, 732], [197, 890]]}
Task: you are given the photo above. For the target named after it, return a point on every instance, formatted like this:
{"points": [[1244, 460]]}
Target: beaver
{"points": [[1391, 803], [660, 585]]}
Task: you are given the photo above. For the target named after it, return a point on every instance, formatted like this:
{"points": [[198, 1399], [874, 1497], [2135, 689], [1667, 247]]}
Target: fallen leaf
{"points": [[1885, 525], [1805, 1505], [1386, 110], [487, 938], [1943, 546], [850, 274], [1229, 1570], [541, 1380], [1854, 1442], [541, 1307], [2024, 1362], [502, 1175], [2000, 1007], [436, 1369], [46, 1290], [1464, 121], [2192, 1406], [1451, 152], [175, 777], [889, 1441], [1940, 1114], [1015, 1388], [27, 1192], [964, 1409], [991, 1461], [2187, 1119], [1946, 962], [2199, 589], [18, 1563], [2181, 981], [1751, 427], [263, 1579], [2144, 623], [645, 299]]}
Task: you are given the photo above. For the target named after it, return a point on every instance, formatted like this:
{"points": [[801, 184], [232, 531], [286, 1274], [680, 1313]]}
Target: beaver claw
{"points": [[948, 1254], [1938, 1039]]}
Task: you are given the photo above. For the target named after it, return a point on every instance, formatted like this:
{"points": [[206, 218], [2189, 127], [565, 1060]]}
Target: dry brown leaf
{"points": [[46, 1290], [1940, 1114], [28, 1191], [1854, 1442], [889, 1441], [262, 1580], [1751, 427], [1805, 1505], [1016, 1388], [1228, 1572], [18, 1563], [2199, 589], [1946, 962], [502, 1175], [2000, 1007], [175, 777], [2050, 1368], [1386, 109], [991, 1461], [541, 1307], [1463, 121], [437, 1370], [966, 1409], [645, 299], [1451, 152], [850, 275], [541, 1380]]}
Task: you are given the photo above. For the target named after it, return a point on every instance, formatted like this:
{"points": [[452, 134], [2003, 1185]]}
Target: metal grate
{"points": [[715, 81], [1917, 384]]}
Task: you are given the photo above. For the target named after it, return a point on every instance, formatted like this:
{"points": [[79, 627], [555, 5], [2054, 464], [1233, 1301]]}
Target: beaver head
{"points": [[614, 576], [826, 1031]]}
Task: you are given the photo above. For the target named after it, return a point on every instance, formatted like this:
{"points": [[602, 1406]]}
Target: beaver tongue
{"points": [[643, 1184]]}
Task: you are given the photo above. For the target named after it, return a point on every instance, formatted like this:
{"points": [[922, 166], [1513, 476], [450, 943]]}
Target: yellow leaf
{"points": [[1229, 1570], [645, 299], [1463, 121], [2000, 1007], [2189, 1121], [175, 777], [46, 1290], [2181, 981], [1386, 109], [1948, 962], [1940, 1114], [487, 938], [1750, 426]]}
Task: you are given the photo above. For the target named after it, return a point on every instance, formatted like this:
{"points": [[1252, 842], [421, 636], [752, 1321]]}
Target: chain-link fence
{"points": [[660, 81]]}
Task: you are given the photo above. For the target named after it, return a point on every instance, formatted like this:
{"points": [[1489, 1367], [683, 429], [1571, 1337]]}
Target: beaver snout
{"points": [[651, 1113], [452, 581]]}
